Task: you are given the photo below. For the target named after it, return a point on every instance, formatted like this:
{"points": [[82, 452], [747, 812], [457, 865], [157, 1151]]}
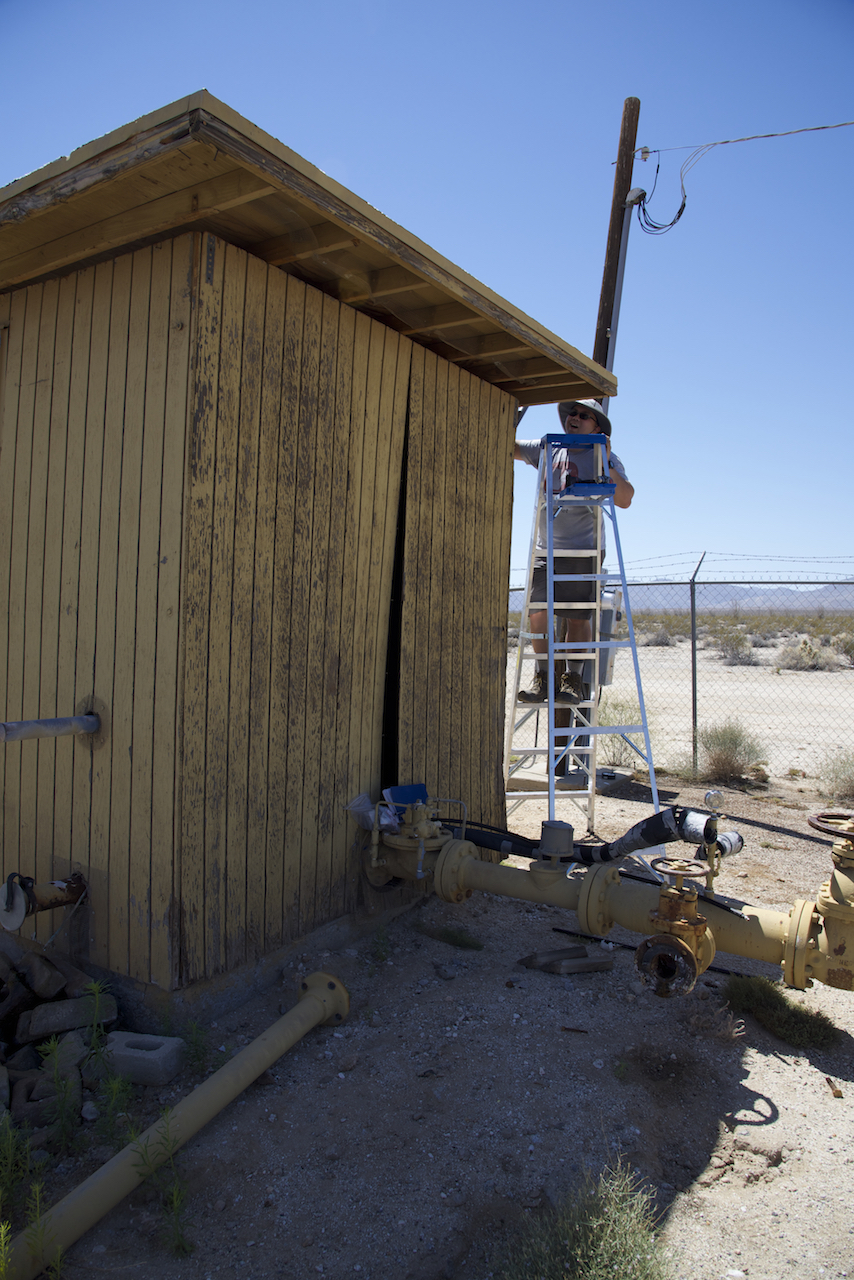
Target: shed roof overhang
{"points": [[196, 165]]}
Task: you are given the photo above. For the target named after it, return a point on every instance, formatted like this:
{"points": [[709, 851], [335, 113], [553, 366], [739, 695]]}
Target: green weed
{"points": [[606, 1232], [97, 1033], [156, 1162], [771, 1007], [40, 1245], [198, 1047], [64, 1109], [115, 1094], [14, 1163], [5, 1250], [382, 945]]}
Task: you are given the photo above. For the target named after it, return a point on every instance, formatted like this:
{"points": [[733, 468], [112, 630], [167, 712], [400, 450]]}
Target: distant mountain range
{"points": [[673, 597]]}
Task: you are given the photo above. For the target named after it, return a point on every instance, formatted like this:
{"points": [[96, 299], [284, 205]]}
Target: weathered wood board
{"points": [[210, 473]]}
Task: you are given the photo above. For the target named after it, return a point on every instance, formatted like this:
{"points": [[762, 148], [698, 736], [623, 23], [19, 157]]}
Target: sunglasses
{"points": [[582, 415]]}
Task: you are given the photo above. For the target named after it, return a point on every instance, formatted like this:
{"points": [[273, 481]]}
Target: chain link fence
{"points": [[776, 660]]}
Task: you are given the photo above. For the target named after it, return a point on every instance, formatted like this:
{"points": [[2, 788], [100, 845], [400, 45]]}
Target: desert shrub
{"points": [[772, 1008], [729, 752], [612, 749], [837, 775], [605, 1232], [807, 656], [735, 648], [844, 645], [660, 639]]}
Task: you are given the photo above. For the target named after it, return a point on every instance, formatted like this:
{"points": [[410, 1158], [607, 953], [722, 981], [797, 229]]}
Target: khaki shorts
{"points": [[567, 592]]}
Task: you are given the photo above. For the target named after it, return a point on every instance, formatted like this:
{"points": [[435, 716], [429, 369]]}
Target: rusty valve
{"points": [[683, 946]]}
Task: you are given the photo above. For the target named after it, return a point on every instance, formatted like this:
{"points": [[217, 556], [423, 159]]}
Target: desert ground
{"points": [[466, 1094]]}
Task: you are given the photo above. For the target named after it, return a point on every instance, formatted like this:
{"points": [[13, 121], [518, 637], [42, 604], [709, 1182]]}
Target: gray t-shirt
{"points": [[574, 526]]}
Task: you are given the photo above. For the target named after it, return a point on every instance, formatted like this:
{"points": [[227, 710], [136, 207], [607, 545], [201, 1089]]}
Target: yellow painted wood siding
{"points": [[298, 426], [91, 473], [200, 469], [456, 570]]}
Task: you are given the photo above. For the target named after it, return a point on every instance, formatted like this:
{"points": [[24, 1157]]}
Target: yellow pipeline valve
{"points": [[814, 940]]}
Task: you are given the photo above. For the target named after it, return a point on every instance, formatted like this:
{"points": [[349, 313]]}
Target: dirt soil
{"points": [[465, 1093]]}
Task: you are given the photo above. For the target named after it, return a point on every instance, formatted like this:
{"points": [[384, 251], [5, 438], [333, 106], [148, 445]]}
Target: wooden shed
{"points": [[255, 493]]}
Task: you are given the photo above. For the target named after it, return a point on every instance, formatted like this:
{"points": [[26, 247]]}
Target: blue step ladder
{"points": [[530, 768]]}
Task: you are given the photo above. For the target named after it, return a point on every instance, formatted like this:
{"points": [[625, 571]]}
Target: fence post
{"points": [[693, 588]]}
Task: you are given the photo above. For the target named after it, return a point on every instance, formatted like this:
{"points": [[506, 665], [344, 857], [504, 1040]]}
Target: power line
{"points": [[648, 223], [753, 137]]}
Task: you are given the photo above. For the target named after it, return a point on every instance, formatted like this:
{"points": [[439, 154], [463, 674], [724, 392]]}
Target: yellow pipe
{"points": [[806, 942], [322, 999]]}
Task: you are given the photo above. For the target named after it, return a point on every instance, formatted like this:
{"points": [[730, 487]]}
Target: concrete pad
{"points": [[145, 1059]]}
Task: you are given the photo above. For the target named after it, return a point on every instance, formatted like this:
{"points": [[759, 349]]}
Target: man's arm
{"points": [[624, 492], [517, 452]]}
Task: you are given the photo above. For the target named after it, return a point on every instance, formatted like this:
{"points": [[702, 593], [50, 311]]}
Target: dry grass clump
{"points": [[837, 775], [718, 1022], [807, 656], [606, 1232], [729, 752], [772, 1008]]}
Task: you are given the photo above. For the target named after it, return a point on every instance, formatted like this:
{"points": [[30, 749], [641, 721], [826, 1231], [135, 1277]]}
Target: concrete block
{"points": [[18, 996], [145, 1059], [40, 975], [26, 1059], [76, 981], [63, 1015], [71, 1052], [10, 947]]}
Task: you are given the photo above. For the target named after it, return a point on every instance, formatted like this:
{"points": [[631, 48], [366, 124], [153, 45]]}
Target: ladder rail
{"points": [[562, 742]]}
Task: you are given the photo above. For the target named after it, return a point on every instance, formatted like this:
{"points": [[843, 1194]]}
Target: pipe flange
{"points": [[667, 964], [379, 876], [795, 955], [592, 912], [331, 993], [446, 878]]}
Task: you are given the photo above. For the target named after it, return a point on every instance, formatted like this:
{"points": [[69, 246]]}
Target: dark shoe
{"points": [[539, 690], [571, 690]]}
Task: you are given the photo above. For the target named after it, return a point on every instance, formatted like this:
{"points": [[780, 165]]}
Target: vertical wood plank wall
{"points": [[200, 467], [456, 570], [298, 426], [91, 477]]}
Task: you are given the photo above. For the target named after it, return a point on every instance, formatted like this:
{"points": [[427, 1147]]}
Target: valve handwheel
{"points": [[837, 822], [680, 867]]}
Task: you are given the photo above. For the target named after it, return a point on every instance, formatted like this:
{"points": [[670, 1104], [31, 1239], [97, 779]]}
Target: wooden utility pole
{"points": [[608, 298]]}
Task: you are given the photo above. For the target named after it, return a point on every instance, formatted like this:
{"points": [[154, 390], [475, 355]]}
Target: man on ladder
{"points": [[575, 528]]}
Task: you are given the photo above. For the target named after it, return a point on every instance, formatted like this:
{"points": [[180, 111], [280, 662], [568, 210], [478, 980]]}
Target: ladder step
{"points": [[531, 770]]}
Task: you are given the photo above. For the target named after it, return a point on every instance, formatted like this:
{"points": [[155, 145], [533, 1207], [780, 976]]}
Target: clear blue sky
{"points": [[489, 130]]}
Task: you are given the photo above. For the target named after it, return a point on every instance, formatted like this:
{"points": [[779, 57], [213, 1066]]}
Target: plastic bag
{"points": [[361, 809]]}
